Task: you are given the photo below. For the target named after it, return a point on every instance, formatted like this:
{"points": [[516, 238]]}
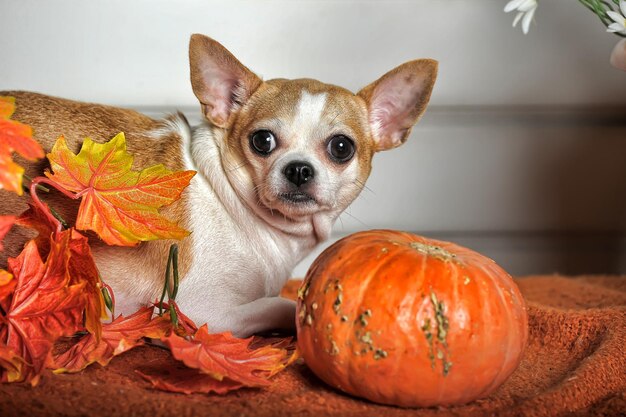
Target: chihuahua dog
{"points": [[277, 162]]}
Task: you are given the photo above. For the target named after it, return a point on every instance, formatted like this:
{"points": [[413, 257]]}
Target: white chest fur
{"points": [[238, 257]]}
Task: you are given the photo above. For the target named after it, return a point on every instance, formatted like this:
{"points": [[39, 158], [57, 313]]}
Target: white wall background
{"points": [[522, 154], [135, 52]]}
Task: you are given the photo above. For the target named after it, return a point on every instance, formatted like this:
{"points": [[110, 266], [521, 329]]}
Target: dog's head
{"points": [[302, 149]]}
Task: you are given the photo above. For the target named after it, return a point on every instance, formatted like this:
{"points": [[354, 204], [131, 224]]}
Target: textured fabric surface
{"points": [[575, 364]]}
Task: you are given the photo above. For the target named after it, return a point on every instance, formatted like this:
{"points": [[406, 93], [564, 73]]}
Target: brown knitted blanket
{"points": [[575, 364]]}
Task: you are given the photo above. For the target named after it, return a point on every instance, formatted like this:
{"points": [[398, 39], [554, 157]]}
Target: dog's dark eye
{"points": [[341, 148], [263, 142]]}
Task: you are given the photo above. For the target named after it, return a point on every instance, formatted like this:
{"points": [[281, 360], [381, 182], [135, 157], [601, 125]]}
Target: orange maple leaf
{"points": [[221, 362], [120, 205], [44, 306], [119, 336], [14, 137]]}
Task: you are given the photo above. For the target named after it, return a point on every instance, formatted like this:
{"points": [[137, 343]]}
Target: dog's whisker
{"points": [[346, 212], [332, 122], [343, 227], [239, 166], [363, 186]]}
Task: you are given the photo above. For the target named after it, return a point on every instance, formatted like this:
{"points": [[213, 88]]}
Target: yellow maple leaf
{"points": [[120, 205]]}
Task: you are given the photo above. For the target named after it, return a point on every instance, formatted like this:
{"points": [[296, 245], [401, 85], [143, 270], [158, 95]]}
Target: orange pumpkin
{"points": [[401, 319]]}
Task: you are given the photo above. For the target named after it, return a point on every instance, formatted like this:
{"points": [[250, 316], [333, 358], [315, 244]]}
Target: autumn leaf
{"points": [[34, 218], [6, 222], [7, 285], [120, 205], [186, 380], [44, 306], [81, 265], [185, 326], [14, 137], [220, 363], [10, 365], [225, 362], [119, 336]]}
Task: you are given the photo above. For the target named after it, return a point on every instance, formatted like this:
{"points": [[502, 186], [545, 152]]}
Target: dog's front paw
{"points": [[262, 315]]}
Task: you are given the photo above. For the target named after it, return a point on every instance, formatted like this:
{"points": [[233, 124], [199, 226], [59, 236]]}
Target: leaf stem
{"points": [[109, 297], [167, 277], [50, 213], [173, 315], [174, 252], [170, 288], [39, 187], [58, 217]]}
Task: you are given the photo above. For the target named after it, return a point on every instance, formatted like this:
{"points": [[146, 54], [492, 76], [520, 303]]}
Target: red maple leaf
{"points": [[81, 266], [219, 362], [186, 380], [119, 336], [45, 305], [35, 218]]}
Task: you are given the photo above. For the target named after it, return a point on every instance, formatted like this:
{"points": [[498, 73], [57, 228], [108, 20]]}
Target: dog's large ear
{"points": [[221, 83], [396, 101]]}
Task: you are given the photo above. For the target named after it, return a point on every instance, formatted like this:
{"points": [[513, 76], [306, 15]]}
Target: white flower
{"points": [[620, 21], [525, 9]]}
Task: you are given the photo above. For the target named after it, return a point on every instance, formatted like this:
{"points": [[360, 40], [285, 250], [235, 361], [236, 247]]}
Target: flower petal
{"points": [[527, 6], [622, 6], [512, 5], [526, 21], [517, 18], [617, 18], [616, 28]]}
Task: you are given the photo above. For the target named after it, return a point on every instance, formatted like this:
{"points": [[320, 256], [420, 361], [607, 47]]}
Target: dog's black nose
{"points": [[299, 172]]}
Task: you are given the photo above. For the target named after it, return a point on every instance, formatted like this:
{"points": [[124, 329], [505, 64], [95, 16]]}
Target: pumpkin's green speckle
{"points": [[380, 354]]}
